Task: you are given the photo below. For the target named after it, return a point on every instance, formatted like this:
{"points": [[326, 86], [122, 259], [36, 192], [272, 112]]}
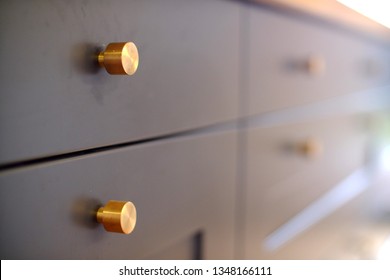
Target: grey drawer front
{"points": [[281, 182], [50, 103], [280, 48], [181, 188], [376, 65]]}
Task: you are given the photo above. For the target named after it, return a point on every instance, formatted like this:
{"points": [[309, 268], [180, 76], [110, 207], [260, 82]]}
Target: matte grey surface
{"points": [[180, 187], [54, 100]]}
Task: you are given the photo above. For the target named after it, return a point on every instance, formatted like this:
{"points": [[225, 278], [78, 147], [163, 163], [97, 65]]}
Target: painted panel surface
{"points": [[181, 188], [54, 100]]}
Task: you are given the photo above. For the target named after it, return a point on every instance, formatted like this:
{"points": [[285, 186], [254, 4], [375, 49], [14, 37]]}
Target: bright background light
{"points": [[377, 10], [385, 158], [384, 250]]}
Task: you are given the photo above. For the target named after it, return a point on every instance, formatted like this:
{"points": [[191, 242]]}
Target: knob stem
{"points": [[101, 59], [99, 215]]}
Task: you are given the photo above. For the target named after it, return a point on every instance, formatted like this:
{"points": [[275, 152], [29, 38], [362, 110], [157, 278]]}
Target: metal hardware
{"points": [[311, 148], [118, 216], [120, 58], [315, 65]]}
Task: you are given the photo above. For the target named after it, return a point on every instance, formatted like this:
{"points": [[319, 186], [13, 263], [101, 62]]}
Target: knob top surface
{"points": [[130, 58], [128, 217]]}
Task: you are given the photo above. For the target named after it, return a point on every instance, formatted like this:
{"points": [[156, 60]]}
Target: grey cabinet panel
{"points": [[376, 65], [181, 188], [286, 55], [281, 181], [54, 101]]}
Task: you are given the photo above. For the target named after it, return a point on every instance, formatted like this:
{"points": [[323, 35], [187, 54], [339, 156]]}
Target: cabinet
{"points": [[239, 117]]}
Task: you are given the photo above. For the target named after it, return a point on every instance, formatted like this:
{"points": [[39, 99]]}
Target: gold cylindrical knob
{"points": [[118, 216], [315, 65], [120, 58], [311, 148]]}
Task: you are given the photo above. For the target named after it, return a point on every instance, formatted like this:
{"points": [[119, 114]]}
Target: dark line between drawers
{"points": [[192, 132], [317, 110], [48, 159]]}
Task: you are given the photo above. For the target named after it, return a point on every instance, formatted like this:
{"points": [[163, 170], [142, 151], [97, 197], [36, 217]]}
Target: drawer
{"points": [[282, 180], [52, 103], [183, 190], [294, 61]]}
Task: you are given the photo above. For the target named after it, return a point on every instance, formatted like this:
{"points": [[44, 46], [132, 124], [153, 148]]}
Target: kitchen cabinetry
{"points": [[239, 118]]}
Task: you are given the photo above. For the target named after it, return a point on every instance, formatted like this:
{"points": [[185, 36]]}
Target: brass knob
{"points": [[311, 148], [315, 65], [120, 58], [118, 216]]}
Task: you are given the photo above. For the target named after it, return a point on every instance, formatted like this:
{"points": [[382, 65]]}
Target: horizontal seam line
{"points": [[218, 127], [53, 158]]}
